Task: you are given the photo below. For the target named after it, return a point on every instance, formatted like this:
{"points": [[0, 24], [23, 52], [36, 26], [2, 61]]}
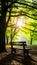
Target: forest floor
{"points": [[6, 58]]}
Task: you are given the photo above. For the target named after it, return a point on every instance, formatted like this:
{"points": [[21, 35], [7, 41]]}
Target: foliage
{"points": [[28, 9], [30, 29]]}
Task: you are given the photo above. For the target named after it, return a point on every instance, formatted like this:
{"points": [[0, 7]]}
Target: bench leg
{"points": [[14, 50], [27, 52]]}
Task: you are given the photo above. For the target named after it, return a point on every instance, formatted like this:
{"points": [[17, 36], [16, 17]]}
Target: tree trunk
{"points": [[2, 26], [2, 36], [31, 41]]}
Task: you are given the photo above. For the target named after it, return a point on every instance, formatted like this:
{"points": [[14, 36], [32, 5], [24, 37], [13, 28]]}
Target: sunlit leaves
{"points": [[35, 36], [25, 8], [26, 33], [17, 35], [30, 29], [8, 32]]}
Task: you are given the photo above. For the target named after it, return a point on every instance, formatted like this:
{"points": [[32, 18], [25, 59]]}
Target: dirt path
{"points": [[7, 58]]}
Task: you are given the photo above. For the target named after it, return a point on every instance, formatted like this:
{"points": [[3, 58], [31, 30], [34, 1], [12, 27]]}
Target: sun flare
{"points": [[20, 22]]}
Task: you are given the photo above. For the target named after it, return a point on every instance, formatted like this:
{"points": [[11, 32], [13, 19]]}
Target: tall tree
{"points": [[3, 23], [2, 26]]}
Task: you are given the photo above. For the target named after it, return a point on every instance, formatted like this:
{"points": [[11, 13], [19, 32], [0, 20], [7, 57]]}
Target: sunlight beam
{"points": [[20, 21]]}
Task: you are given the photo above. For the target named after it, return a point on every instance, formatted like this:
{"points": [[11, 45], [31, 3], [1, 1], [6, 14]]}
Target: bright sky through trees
{"points": [[20, 21]]}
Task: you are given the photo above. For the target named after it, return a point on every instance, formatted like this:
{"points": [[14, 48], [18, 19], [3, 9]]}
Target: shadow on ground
{"points": [[17, 59]]}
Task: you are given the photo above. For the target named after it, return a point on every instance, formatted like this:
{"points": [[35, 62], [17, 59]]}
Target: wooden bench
{"points": [[25, 51]]}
